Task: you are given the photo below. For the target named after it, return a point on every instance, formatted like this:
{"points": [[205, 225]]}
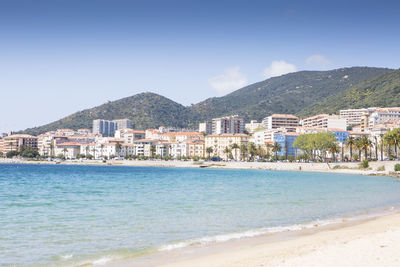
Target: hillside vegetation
{"points": [[288, 93], [382, 91], [146, 110]]}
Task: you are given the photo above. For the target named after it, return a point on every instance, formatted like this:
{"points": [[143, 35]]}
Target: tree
{"points": [[51, 150], [152, 150], [12, 153], [209, 150], [243, 151], [276, 147], [65, 150], [118, 148], [364, 144], [350, 143], [234, 147], [358, 144], [334, 150], [252, 150], [376, 147], [226, 152]]}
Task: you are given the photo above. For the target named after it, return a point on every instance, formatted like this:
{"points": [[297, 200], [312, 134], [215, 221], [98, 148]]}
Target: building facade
{"points": [[17, 141], [285, 121], [325, 121], [228, 125], [206, 127], [219, 142]]}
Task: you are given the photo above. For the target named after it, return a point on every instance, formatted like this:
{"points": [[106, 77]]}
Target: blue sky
{"points": [[61, 56]]}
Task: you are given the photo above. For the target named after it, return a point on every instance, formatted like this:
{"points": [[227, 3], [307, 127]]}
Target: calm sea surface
{"points": [[68, 215]]}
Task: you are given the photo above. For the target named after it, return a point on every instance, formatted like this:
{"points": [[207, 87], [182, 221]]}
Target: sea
{"points": [[70, 215]]}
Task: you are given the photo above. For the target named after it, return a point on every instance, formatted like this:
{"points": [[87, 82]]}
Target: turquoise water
{"points": [[55, 215]]}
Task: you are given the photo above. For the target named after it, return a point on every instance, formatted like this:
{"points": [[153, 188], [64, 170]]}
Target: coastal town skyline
{"points": [[101, 52]]}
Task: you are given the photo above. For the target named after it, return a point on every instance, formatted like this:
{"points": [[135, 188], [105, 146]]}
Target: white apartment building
{"points": [[325, 121], [276, 121], [180, 136], [355, 116], [206, 127], [383, 115], [69, 150], [129, 135], [252, 126], [228, 125]]}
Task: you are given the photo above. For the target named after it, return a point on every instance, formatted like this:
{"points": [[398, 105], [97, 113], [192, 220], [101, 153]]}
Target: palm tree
{"points": [[350, 143], [51, 150], [365, 143], [252, 150], [152, 150], [118, 148], [86, 151], [65, 150], [234, 146], [381, 140], [359, 146], [376, 147], [226, 152], [389, 141], [276, 147], [209, 150], [243, 150], [101, 150], [333, 149]]}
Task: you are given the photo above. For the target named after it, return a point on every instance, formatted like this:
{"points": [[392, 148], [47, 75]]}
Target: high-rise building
{"points": [[123, 124], [206, 127], [104, 127], [228, 125]]}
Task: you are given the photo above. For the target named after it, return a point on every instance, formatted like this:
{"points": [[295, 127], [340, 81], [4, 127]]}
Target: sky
{"points": [[61, 56]]}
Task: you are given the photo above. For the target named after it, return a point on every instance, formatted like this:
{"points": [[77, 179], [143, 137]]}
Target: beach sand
{"points": [[372, 242]]}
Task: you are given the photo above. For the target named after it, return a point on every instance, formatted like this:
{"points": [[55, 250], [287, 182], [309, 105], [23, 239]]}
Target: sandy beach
{"points": [[371, 242]]}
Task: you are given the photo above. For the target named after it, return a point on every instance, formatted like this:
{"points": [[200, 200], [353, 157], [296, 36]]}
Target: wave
{"points": [[271, 230]]}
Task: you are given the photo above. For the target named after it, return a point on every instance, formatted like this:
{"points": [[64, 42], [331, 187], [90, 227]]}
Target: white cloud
{"points": [[278, 68], [231, 80], [318, 60]]}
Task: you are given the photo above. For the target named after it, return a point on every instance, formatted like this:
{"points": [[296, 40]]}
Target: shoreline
{"points": [[305, 247], [341, 167]]}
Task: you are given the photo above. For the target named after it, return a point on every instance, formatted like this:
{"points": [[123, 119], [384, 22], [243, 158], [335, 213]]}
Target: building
{"points": [[104, 127], [206, 127], [286, 142], [252, 126], [123, 124], [180, 136], [286, 121], [218, 143], [129, 135], [354, 116], [143, 147], [384, 115], [195, 148], [69, 150], [228, 125], [17, 141], [325, 121]]}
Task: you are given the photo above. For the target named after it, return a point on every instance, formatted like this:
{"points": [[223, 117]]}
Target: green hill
{"points": [[288, 93], [381, 91], [146, 110]]}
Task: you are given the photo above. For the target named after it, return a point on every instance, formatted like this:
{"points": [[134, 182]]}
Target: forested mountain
{"points": [[288, 93], [146, 110], [303, 93], [382, 91]]}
